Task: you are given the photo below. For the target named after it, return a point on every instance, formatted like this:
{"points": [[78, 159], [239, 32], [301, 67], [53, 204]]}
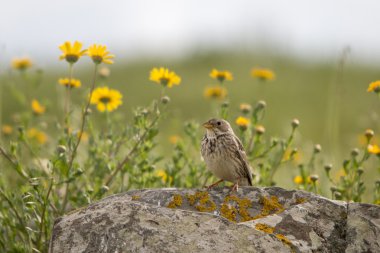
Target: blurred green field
{"points": [[303, 89]]}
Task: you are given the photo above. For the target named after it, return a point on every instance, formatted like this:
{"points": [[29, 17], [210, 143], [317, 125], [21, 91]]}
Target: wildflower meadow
{"points": [[94, 126]]}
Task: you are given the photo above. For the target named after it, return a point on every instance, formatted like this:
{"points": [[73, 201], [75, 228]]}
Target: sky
{"points": [[175, 28]]}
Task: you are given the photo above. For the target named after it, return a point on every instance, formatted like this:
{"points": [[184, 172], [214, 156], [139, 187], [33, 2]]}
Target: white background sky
{"points": [[317, 28]]}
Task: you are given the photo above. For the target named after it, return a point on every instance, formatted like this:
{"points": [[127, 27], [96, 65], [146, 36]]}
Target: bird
{"points": [[224, 154]]}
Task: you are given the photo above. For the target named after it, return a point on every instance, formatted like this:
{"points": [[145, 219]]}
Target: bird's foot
{"points": [[213, 185]]}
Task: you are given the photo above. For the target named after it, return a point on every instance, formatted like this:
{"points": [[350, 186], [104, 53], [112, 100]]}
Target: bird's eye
{"points": [[219, 123]]}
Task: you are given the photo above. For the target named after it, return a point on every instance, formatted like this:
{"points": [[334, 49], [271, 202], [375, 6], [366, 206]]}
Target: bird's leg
{"points": [[214, 184], [235, 187]]}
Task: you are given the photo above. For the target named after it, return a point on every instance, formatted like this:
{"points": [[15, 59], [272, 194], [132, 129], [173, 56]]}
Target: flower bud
{"points": [[333, 188], [165, 100], [260, 130], [225, 104], [346, 163], [360, 171], [104, 188], [61, 149], [369, 133], [88, 111], [261, 104], [317, 148], [245, 108], [314, 178], [355, 152], [328, 167], [338, 195], [274, 141], [295, 123]]}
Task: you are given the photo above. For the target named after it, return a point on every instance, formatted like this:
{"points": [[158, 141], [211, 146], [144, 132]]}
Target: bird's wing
{"points": [[243, 157]]}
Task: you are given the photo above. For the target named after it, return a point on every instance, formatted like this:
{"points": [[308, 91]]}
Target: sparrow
{"points": [[224, 154]]}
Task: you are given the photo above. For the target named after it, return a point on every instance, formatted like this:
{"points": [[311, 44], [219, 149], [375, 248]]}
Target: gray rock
{"points": [[190, 220]]}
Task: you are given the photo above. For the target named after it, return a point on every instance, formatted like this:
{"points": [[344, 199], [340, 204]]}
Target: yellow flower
{"points": [[37, 108], [106, 99], [221, 75], [71, 53], [291, 154], [374, 86], [263, 74], [373, 149], [37, 135], [21, 63], [298, 180], [242, 122], [164, 176], [6, 129], [73, 83], [215, 92], [84, 136], [164, 77], [99, 54], [173, 139]]}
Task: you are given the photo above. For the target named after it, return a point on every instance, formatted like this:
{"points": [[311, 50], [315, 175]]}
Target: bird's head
{"points": [[217, 126]]}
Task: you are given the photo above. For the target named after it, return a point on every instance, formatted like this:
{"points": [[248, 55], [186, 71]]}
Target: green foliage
{"points": [[90, 155]]}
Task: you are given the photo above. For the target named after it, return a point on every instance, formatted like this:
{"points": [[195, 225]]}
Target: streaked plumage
{"points": [[224, 154]]}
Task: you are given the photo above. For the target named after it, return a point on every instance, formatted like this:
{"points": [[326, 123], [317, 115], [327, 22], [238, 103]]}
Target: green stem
{"points": [[74, 153], [127, 158], [43, 214]]}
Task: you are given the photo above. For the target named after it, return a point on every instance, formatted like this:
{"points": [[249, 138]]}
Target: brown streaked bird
{"points": [[224, 154]]}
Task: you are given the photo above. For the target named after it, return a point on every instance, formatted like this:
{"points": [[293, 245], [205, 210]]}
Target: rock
{"points": [[190, 220]]}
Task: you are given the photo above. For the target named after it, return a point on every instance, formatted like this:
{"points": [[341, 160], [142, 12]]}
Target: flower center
{"points": [[97, 59], [221, 77], [105, 100], [72, 58], [164, 81]]}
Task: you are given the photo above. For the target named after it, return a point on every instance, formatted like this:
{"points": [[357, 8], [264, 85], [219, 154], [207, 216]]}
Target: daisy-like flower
{"points": [[173, 139], [71, 52], [6, 130], [37, 108], [37, 135], [242, 122], [298, 180], [164, 77], [164, 176], [215, 92], [374, 87], [99, 54], [106, 99], [221, 75], [73, 83], [21, 63], [263, 74], [373, 149]]}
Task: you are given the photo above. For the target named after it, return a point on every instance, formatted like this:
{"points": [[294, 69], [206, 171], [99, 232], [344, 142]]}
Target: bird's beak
{"points": [[208, 125]]}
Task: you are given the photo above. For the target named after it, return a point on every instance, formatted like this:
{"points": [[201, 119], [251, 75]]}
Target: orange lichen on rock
{"points": [[270, 206], [203, 198], [229, 211], [265, 228], [135, 197], [284, 239], [176, 202], [300, 200]]}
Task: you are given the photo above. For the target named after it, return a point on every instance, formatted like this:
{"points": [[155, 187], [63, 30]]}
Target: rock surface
{"points": [[190, 220]]}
